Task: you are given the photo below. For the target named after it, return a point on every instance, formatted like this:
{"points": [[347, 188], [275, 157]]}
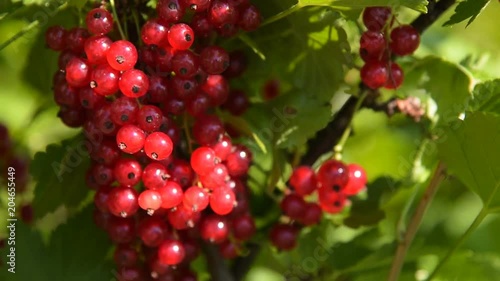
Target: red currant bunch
{"points": [[313, 193], [378, 45], [165, 171]]}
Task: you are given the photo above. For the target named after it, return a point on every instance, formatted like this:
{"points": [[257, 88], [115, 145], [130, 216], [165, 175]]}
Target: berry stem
{"points": [[405, 243], [337, 149], [118, 23], [485, 211], [282, 14], [27, 29], [137, 24], [189, 140]]}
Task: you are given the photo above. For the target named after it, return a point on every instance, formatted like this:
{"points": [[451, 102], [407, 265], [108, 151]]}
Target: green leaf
{"points": [[467, 9], [418, 5], [470, 150], [79, 4], [76, 252], [59, 173], [486, 97]]}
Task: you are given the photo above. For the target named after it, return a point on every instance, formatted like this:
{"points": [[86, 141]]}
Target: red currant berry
{"points": [[171, 252], [357, 180], [99, 21], [243, 227], [134, 83], [154, 176], [222, 200], [214, 59], [122, 201], [75, 39], [121, 230], [101, 198], [396, 76], [203, 160], [104, 80], [171, 195], [250, 18], [185, 63], [237, 102], [312, 214], [77, 72], [180, 36], [331, 201], [196, 198], [333, 175], [130, 139], [374, 74], [127, 172], [223, 148], [217, 88], [158, 146], [152, 230], [238, 63], [149, 118], [149, 200], [375, 18], [216, 178], [153, 32], [404, 40], [284, 236], [122, 55], [222, 12], [208, 130], [303, 180], [214, 229], [170, 10], [372, 46], [55, 37], [182, 217], [125, 255], [293, 206]]}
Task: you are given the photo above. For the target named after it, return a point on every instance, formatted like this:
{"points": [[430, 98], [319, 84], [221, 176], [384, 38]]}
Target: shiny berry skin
{"points": [[216, 178], [223, 148], [124, 110], [293, 206], [207, 130], [184, 88], [122, 55], [55, 37], [214, 229], [372, 45], [64, 57], [154, 176], [154, 32], [357, 180], [404, 40], [134, 83], [312, 214], [333, 175], [149, 200], [198, 105], [250, 18], [158, 89], [237, 102], [222, 12], [130, 139], [122, 201], [77, 72], [75, 39], [181, 172], [127, 172], [203, 160], [185, 63], [243, 227], [65, 95], [198, 5], [374, 74], [396, 76], [196, 198], [214, 59], [222, 200], [331, 201], [201, 26], [121, 230], [170, 11], [104, 80], [149, 118], [158, 146], [99, 21], [217, 88], [238, 163], [375, 18], [180, 36], [101, 198], [88, 99], [171, 252], [152, 230], [303, 180], [171, 195], [102, 118], [96, 48], [284, 236]]}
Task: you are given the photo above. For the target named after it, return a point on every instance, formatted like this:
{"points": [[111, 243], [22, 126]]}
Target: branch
{"points": [[404, 244], [326, 139], [242, 265], [216, 264]]}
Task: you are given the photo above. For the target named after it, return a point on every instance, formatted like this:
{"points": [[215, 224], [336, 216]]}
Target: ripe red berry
{"points": [[170, 11], [312, 214], [214, 59], [284, 236], [404, 40], [217, 88], [375, 18], [396, 76], [99, 21], [214, 229], [127, 171], [96, 48], [357, 180], [154, 176], [237, 102], [121, 230], [149, 200], [171, 195], [125, 255], [78, 72], [185, 63], [180, 36], [250, 18], [122, 201], [55, 37], [130, 139], [303, 180], [203, 160], [374, 74], [207, 130], [333, 175], [154, 32], [183, 218], [122, 55], [372, 46], [223, 148], [222, 200], [171, 252], [104, 80], [134, 83], [293, 206], [243, 227], [75, 39], [331, 201], [222, 12], [152, 231], [196, 198], [158, 146]]}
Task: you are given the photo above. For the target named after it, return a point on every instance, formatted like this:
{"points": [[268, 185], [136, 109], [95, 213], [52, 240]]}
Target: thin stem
{"points": [[282, 14], [475, 224], [187, 133], [404, 245], [115, 15], [347, 132], [137, 24], [27, 29]]}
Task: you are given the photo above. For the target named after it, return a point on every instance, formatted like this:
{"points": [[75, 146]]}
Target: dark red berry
{"points": [[404, 40], [99, 21], [374, 74], [375, 18]]}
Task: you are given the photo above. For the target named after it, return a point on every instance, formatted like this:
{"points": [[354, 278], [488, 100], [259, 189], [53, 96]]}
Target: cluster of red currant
{"points": [[143, 111], [377, 49], [326, 191]]}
